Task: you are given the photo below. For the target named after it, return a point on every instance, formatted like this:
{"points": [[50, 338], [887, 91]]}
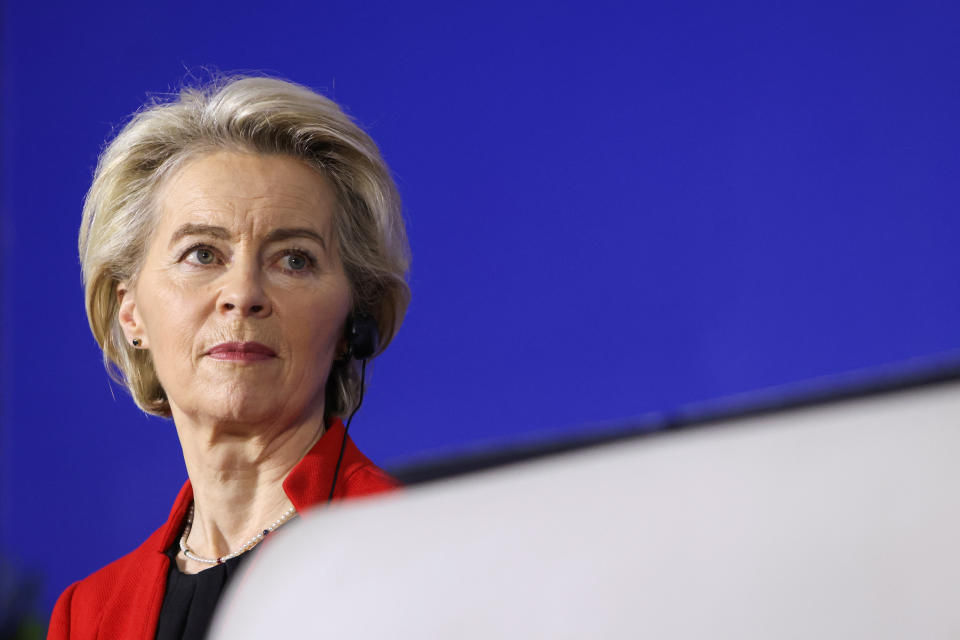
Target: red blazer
{"points": [[123, 599]]}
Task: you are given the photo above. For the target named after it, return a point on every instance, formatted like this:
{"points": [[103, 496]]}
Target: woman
{"points": [[243, 255]]}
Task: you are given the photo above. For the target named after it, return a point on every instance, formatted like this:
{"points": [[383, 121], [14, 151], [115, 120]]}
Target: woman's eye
{"points": [[204, 256], [296, 261]]}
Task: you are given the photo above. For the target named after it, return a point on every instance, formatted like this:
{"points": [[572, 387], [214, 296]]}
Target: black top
{"points": [[191, 599]]}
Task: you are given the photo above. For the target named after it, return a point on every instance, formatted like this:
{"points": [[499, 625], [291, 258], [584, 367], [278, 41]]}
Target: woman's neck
{"points": [[237, 480]]}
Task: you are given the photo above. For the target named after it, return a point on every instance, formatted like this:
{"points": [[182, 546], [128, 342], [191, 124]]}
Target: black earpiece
{"points": [[362, 336]]}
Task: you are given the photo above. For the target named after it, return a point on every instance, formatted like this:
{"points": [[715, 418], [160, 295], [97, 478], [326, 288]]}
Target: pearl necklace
{"points": [[249, 544]]}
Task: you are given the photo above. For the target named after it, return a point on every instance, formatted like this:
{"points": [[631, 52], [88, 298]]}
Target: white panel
{"points": [[839, 521]]}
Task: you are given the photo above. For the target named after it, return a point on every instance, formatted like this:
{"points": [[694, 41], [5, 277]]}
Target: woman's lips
{"points": [[243, 351]]}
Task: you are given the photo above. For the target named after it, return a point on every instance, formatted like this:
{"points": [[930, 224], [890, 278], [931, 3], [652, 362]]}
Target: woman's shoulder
{"points": [[108, 575], [366, 478], [362, 477], [126, 584], [122, 594]]}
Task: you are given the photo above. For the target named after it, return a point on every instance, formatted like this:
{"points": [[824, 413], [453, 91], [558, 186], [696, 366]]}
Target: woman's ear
{"points": [[129, 316]]}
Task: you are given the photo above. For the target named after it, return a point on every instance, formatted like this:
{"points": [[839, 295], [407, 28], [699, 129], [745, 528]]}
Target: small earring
{"points": [[136, 342]]}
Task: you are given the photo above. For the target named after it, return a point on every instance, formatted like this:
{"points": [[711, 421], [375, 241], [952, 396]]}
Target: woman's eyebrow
{"points": [[277, 235], [298, 232], [193, 229]]}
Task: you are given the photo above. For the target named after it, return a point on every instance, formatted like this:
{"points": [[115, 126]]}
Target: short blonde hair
{"points": [[248, 114]]}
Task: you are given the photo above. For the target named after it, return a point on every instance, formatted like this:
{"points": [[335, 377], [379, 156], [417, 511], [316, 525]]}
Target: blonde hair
{"points": [[249, 114]]}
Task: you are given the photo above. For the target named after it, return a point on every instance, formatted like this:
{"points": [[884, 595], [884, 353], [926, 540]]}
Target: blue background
{"points": [[614, 208]]}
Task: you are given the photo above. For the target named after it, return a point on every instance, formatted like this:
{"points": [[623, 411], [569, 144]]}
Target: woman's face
{"points": [[242, 298]]}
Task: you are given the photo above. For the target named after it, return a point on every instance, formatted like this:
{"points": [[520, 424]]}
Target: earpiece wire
{"points": [[343, 443]]}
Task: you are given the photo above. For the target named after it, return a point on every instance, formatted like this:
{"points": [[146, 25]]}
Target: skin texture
{"points": [[216, 272]]}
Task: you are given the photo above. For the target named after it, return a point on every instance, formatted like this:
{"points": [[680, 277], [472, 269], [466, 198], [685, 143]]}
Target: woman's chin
{"points": [[245, 406]]}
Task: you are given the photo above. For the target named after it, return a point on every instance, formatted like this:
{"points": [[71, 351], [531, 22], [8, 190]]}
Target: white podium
{"points": [[834, 521]]}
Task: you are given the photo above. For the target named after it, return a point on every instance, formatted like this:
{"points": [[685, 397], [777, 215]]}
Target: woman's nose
{"points": [[243, 293]]}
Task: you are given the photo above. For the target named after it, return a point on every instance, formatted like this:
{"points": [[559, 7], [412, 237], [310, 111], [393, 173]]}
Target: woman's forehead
{"points": [[246, 193]]}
